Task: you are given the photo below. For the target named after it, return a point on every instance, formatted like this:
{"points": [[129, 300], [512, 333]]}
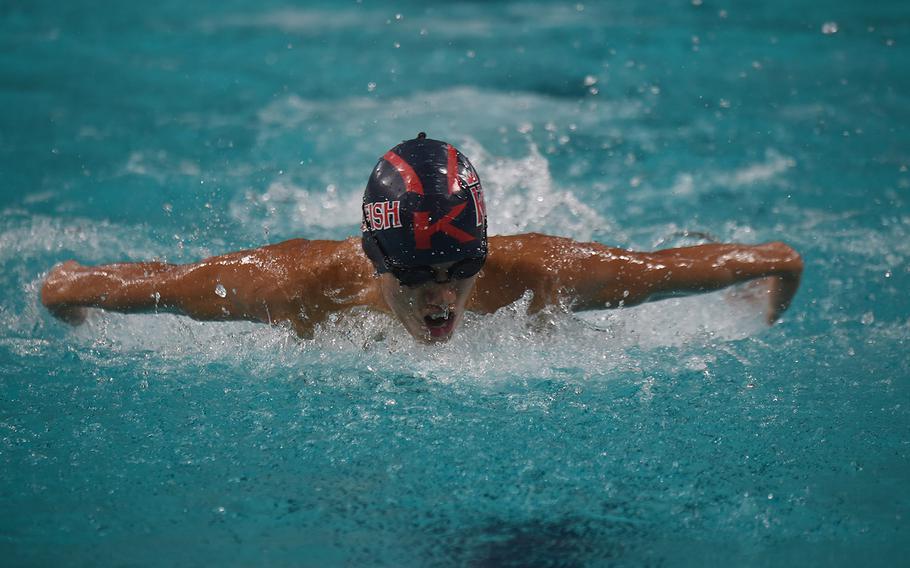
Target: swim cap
{"points": [[423, 205]]}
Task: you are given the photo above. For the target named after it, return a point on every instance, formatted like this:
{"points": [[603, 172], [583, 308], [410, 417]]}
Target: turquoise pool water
{"points": [[677, 433]]}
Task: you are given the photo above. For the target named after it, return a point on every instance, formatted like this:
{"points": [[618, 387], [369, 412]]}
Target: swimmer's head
{"points": [[423, 205], [425, 231]]}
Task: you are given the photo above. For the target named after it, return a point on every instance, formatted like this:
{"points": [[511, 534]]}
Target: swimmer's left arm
{"points": [[615, 277]]}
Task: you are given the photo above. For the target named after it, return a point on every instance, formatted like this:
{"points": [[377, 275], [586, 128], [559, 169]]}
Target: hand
{"points": [[772, 294], [58, 293], [784, 285]]}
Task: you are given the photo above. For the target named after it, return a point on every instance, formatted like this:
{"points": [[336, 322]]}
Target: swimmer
{"points": [[423, 256]]}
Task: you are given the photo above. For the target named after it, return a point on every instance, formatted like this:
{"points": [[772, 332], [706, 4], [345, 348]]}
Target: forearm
{"points": [[710, 267], [129, 287], [616, 277], [229, 287]]}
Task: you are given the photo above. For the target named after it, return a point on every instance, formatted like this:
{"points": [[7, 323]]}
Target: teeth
{"points": [[440, 315]]}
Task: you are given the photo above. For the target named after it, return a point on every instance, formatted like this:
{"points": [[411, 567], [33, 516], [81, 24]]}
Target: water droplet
{"points": [[829, 28], [220, 291]]}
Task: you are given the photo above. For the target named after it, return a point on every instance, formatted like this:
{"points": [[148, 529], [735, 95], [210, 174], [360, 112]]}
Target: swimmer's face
{"points": [[430, 311]]}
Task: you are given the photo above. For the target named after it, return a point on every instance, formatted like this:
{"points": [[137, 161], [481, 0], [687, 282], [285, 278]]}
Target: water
{"points": [[682, 432]]}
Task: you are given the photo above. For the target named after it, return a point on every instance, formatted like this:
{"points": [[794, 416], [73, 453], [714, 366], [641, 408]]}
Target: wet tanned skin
{"points": [[300, 282]]}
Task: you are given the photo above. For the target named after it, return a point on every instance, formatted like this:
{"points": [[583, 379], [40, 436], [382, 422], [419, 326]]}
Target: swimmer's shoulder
{"points": [[318, 253], [326, 276], [515, 265], [529, 252], [305, 263]]}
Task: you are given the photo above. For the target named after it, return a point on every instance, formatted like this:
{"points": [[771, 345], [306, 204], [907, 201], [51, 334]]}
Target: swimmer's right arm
{"points": [[246, 285]]}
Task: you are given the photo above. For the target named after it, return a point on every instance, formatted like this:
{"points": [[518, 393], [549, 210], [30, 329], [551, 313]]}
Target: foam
{"points": [[487, 351], [520, 191]]}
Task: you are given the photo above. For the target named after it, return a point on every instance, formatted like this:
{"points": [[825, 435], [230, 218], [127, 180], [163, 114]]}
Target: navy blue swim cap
{"points": [[423, 205]]}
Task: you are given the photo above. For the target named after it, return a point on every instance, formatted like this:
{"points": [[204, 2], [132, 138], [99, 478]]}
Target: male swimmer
{"points": [[425, 257]]}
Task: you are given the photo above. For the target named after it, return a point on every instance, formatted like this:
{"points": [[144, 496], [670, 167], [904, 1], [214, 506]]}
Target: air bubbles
{"points": [[829, 28], [590, 82], [220, 291], [371, 86]]}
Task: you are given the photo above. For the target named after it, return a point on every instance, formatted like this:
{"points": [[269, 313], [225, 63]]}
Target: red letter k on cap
{"points": [[423, 230]]}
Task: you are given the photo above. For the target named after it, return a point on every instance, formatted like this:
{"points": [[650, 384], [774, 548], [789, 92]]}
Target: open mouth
{"points": [[440, 325]]}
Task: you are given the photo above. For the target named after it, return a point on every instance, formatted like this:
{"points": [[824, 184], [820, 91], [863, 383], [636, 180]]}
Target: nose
{"points": [[439, 293]]}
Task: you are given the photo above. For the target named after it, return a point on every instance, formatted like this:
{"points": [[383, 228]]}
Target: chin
{"points": [[439, 339]]}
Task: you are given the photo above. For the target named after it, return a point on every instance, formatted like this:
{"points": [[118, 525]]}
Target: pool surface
{"points": [[683, 432]]}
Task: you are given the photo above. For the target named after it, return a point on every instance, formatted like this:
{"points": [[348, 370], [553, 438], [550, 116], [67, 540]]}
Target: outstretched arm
{"points": [[251, 285], [605, 277]]}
